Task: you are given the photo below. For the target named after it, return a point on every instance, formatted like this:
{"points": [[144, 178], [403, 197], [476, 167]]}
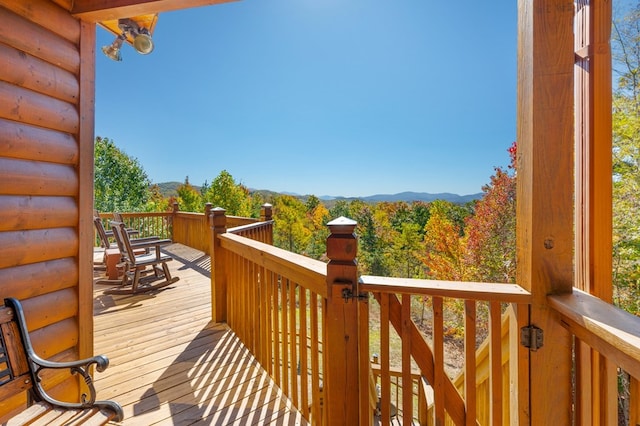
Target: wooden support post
{"points": [[207, 213], [218, 267], [266, 212], [545, 194], [342, 392]]}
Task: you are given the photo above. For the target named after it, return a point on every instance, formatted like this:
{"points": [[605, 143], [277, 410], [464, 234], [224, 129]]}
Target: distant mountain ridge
{"points": [[168, 189], [409, 196]]}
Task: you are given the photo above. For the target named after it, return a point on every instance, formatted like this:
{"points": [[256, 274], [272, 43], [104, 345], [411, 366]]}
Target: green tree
{"points": [[317, 219], [189, 198], [226, 193], [626, 161], [120, 182], [407, 248]]}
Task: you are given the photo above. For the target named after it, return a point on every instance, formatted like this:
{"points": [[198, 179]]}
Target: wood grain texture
{"points": [[611, 331], [454, 289], [23, 177], [545, 192], [29, 107], [105, 10], [37, 75], [27, 142], [49, 15], [85, 141], [29, 37], [41, 245], [33, 279], [36, 212]]}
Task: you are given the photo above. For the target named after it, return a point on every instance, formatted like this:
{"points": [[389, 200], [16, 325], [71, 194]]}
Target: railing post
{"points": [[342, 392], [207, 213], [266, 214], [218, 267], [172, 220]]}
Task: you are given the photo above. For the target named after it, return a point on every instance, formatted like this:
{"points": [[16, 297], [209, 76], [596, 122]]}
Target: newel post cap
{"points": [[342, 225], [342, 244]]}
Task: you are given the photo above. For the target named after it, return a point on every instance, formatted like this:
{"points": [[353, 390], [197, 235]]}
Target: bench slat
{"points": [[29, 414]]}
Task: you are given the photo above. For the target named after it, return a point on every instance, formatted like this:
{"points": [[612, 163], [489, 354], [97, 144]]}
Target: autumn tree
{"points": [[491, 230], [120, 182], [157, 202], [290, 228], [444, 243]]}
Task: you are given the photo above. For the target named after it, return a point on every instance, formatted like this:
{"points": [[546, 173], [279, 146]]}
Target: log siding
{"points": [[44, 86]]}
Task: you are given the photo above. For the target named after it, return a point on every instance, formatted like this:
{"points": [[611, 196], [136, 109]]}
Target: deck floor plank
{"points": [[171, 365]]}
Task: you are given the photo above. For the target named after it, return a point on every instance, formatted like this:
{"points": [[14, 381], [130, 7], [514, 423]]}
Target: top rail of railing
{"points": [[511, 293]]}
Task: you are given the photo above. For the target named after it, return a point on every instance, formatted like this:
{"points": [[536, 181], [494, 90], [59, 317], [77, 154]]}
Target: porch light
{"points": [[142, 41], [112, 51]]}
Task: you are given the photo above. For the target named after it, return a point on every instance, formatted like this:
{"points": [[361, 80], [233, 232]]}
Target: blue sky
{"points": [[323, 97]]}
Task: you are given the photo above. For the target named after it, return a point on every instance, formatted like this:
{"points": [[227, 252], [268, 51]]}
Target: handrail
{"points": [[511, 293], [307, 272], [608, 329]]}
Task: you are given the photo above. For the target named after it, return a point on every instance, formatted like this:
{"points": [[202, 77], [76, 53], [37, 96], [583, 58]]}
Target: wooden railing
{"points": [[283, 305], [394, 297], [275, 302], [188, 228], [310, 325], [613, 336]]}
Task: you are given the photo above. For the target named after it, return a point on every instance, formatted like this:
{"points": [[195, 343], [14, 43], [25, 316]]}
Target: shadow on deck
{"points": [[170, 364]]}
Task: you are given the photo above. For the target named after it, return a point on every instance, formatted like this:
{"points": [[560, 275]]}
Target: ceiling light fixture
{"points": [[140, 36]]}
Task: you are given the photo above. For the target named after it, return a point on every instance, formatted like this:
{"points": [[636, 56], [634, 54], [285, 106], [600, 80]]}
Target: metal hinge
{"points": [[531, 337], [347, 294]]}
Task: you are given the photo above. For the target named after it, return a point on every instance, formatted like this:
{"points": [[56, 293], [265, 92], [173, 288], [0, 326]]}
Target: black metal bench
{"points": [[20, 371]]}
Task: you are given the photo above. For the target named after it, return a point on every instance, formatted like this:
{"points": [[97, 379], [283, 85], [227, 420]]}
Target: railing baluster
{"points": [[316, 407], [366, 408], [304, 364], [438, 354], [285, 335], [407, 381], [385, 378], [634, 401], [495, 355], [293, 315], [268, 306], [470, 360], [277, 330]]}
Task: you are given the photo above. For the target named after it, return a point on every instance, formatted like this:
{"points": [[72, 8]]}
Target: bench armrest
{"points": [[82, 367]]}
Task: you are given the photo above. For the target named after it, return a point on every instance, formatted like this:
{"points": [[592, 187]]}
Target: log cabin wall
{"points": [[46, 176]]}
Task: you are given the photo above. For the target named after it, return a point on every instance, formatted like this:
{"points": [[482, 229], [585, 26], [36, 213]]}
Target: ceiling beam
{"points": [[105, 10]]}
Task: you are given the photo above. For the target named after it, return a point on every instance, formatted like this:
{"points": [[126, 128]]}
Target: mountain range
{"points": [[168, 189]]}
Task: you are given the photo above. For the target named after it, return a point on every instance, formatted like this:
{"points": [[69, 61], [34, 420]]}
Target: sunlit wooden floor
{"points": [[170, 364]]}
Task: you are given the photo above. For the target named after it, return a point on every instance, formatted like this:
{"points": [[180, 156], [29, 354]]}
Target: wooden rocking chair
{"points": [[136, 265], [105, 242]]}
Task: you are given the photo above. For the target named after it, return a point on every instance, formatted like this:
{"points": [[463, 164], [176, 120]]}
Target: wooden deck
{"points": [[170, 364]]}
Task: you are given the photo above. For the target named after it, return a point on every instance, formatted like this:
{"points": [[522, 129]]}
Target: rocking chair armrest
{"points": [[150, 243]]}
